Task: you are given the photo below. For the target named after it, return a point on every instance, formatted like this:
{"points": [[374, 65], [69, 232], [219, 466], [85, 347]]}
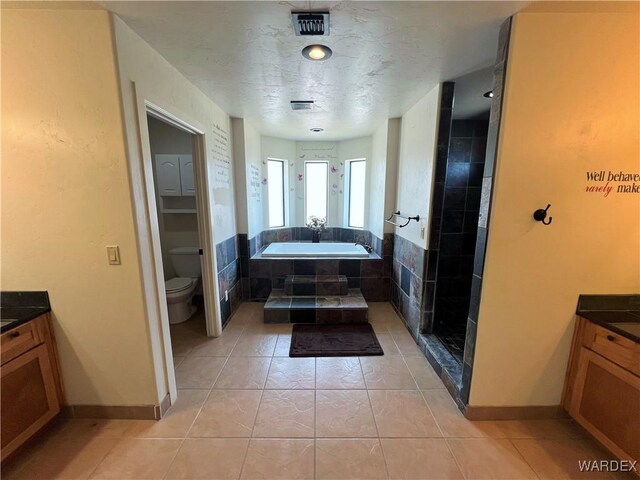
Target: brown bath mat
{"points": [[334, 340]]}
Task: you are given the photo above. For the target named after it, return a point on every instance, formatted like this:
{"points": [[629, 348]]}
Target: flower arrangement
{"points": [[317, 224]]}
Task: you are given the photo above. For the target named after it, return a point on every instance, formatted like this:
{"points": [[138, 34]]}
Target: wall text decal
{"points": [[606, 182]]}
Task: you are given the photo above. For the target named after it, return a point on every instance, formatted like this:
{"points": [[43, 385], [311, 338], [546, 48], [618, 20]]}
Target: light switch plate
{"points": [[113, 254]]}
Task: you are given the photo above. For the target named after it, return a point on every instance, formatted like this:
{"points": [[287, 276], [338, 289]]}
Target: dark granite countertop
{"points": [[17, 308], [618, 313]]}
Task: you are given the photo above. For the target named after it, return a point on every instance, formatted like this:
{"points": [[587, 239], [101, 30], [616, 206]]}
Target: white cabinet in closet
{"points": [[175, 175], [186, 176], [175, 184]]}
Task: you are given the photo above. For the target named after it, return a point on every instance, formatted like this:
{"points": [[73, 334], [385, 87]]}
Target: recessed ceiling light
{"points": [[316, 52], [488, 94], [316, 129]]}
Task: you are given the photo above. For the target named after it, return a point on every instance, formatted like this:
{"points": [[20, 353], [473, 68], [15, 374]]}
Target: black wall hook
{"points": [[541, 214]]}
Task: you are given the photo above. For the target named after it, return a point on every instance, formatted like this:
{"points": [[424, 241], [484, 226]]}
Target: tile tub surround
{"points": [[301, 234], [371, 276], [348, 308], [333, 417]]}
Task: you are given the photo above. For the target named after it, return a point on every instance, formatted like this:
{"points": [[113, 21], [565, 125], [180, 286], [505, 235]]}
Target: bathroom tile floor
{"points": [[246, 410]]}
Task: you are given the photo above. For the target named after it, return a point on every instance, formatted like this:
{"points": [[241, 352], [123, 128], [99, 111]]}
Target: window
{"points": [[315, 189], [275, 174], [356, 186]]}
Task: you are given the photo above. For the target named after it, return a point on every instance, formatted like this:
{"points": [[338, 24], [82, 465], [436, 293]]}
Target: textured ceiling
{"points": [[386, 56]]}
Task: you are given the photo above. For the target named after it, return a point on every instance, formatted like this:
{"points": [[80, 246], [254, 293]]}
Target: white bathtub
{"points": [[325, 250]]}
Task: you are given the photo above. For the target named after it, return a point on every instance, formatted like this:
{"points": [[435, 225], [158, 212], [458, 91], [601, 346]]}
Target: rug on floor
{"points": [[334, 340]]}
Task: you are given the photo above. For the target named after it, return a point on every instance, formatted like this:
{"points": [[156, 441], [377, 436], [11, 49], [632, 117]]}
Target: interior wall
{"points": [[391, 182], [66, 196], [257, 208], [240, 174], [416, 164], [176, 230], [377, 178], [145, 76], [555, 129]]}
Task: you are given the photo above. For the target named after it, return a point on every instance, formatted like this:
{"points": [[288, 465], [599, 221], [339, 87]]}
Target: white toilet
{"points": [[180, 289]]}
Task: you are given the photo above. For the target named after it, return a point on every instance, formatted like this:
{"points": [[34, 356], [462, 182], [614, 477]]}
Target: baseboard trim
{"points": [[164, 406], [515, 413], [124, 412]]}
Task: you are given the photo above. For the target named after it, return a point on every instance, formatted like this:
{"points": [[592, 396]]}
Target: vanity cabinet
{"points": [[602, 389], [175, 175], [31, 387]]}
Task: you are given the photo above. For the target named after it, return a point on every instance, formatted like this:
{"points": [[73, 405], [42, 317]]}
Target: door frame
{"points": [[153, 285]]}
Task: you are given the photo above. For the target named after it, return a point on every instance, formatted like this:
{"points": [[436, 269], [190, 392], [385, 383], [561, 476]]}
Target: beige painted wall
{"points": [[383, 176], [377, 176], [257, 209], [571, 106], [145, 76], [416, 164], [65, 196]]}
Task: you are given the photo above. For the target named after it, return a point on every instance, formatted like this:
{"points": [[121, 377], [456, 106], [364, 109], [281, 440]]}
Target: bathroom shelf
{"points": [[179, 210]]}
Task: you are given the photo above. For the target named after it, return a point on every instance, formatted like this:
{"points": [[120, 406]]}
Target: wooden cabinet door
{"points": [[168, 175], [605, 401], [187, 182], [28, 395]]}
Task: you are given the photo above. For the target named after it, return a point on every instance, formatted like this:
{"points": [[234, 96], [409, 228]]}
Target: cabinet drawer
{"points": [[612, 346], [19, 340]]}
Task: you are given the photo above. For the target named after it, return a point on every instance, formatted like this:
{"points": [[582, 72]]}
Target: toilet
{"points": [[180, 289]]}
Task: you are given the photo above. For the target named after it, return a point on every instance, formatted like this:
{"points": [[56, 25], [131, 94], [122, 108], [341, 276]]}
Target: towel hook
{"points": [[541, 214]]}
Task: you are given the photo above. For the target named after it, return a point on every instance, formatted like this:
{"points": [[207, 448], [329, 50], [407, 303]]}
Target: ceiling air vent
{"points": [[305, 23], [301, 104]]}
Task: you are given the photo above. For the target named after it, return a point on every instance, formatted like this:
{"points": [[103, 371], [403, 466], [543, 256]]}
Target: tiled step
{"points": [[350, 308], [315, 285]]}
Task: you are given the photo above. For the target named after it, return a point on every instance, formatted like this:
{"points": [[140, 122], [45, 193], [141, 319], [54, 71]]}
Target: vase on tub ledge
{"points": [[316, 225]]}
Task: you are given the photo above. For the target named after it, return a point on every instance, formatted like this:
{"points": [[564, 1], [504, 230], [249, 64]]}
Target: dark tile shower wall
{"points": [[437, 201], [260, 276], [229, 276], [461, 205]]}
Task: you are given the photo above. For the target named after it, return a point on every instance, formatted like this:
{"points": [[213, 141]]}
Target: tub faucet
{"points": [[366, 246]]}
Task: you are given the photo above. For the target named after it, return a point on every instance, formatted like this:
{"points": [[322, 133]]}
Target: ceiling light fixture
{"points": [[316, 52], [488, 94], [316, 129]]}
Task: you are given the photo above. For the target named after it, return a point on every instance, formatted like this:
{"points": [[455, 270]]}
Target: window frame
{"points": [[347, 188], [284, 192], [326, 163]]}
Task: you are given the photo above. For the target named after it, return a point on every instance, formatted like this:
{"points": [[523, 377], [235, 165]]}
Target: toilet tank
{"points": [[186, 261]]}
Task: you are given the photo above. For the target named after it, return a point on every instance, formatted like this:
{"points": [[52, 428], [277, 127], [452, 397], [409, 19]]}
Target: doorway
{"points": [[173, 164]]}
